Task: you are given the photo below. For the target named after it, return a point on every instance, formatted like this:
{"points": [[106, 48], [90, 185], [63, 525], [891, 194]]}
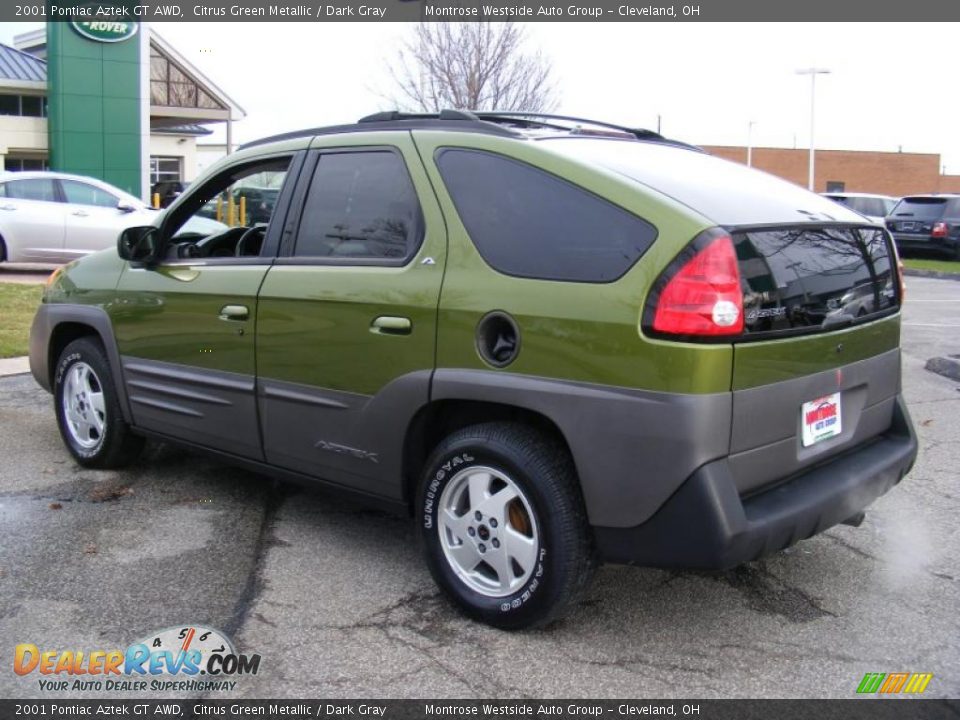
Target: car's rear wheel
{"points": [[503, 524], [88, 409]]}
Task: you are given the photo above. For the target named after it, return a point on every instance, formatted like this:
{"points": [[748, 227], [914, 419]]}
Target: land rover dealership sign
{"points": [[104, 31]]}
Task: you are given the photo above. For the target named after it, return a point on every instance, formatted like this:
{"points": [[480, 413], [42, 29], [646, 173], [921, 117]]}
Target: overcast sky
{"points": [[888, 88]]}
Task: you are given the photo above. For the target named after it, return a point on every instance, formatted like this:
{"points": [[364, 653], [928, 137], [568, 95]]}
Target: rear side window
{"points": [[31, 190], [361, 205], [529, 223], [920, 208], [806, 279], [80, 193]]}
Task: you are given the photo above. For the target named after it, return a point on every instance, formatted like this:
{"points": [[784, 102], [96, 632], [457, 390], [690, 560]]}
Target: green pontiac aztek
{"points": [[555, 342]]}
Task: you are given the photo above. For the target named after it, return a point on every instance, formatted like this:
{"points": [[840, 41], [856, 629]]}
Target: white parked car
{"points": [[873, 207], [49, 217]]}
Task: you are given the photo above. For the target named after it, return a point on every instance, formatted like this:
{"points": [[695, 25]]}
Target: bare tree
{"points": [[472, 66]]}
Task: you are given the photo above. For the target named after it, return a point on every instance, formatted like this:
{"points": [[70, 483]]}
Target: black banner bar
{"points": [[478, 10], [854, 709]]}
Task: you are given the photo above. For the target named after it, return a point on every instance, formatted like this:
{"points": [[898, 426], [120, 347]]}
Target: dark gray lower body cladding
{"points": [[707, 524]]}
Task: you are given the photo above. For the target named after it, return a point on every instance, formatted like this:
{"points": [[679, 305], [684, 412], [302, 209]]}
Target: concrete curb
{"points": [[948, 366], [14, 366], [938, 274]]}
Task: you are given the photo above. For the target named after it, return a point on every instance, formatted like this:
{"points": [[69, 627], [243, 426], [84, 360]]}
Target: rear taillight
{"points": [[699, 294], [940, 229]]}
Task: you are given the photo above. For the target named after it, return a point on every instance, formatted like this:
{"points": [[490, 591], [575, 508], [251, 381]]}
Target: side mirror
{"points": [[138, 244], [125, 207]]}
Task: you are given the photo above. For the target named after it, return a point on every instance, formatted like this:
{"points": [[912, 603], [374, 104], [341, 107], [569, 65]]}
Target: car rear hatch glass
{"points": [[804, 280], [817, 370], [916, 214]]}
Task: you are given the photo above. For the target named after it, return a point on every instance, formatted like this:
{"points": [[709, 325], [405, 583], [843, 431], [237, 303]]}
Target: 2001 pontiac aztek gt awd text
{"points": [[557, 342]]}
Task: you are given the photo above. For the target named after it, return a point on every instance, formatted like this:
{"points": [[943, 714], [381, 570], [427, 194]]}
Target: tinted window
{"points": [[527, 222], [9, 104], [360, 205], [806, 278], [868, 206], [83, 194], [32, 106], [920, 208], [32, 190]]}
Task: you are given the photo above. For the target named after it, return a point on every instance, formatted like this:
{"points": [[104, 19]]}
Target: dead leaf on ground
{"points": [[926, 423], [106, 493], [90, 549], [56, 506]]}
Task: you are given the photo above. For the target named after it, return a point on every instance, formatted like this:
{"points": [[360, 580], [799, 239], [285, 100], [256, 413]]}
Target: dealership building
{"points": [[123, 106]]}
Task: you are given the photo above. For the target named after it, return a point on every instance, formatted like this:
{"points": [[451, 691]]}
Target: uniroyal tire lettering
{"points": [[431, 494], [527, 593], [64, 364]]}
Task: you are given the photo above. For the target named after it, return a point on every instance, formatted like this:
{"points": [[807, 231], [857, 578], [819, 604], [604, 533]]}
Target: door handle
{"points": [[81, 213], [234, 312], [391, 325]]}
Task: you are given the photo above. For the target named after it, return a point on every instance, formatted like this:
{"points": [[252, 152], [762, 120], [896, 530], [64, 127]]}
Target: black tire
{"points": [[542, 469], [116, 446]]}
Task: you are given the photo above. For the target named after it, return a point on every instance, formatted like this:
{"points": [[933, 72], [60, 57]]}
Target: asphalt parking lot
{"points": [[335, 599]]}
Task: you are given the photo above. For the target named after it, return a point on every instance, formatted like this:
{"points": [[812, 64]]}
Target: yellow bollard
{"points": [[243, 209], [231, 212], [219, 209], [156, 201]]}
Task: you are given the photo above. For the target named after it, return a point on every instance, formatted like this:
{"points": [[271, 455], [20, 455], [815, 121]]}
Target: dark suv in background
{"points": [[927, 222]]}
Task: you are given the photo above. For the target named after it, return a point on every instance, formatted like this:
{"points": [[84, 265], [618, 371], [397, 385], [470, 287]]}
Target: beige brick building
{"points": [[885, 173]]}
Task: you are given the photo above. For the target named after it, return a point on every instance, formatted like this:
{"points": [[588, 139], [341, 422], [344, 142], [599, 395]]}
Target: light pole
{"points": [[750, 125], [812, 72]]}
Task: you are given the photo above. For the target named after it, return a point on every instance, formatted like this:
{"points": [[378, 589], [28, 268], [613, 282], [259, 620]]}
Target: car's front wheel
{"points": [[88, 409], [503, 525]]}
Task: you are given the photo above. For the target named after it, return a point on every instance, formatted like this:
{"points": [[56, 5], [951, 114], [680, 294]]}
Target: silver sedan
{"points": [[48, 217]]}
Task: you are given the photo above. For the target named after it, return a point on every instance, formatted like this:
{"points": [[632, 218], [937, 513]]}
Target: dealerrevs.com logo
{"points": [[189, 658]]}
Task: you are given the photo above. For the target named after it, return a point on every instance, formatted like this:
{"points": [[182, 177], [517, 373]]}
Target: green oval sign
{"points": [[105, 30]]}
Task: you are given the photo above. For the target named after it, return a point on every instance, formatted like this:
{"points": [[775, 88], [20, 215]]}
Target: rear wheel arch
{"points": [[440, 418]]}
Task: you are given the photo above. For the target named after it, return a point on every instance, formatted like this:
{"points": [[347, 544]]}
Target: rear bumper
{"points": [[706, 524], [925, 242]]}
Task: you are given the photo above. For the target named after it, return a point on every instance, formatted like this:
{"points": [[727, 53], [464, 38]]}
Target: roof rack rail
{"points": [[396, 120], [530, 119], [393, 115], [505, 123]]}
